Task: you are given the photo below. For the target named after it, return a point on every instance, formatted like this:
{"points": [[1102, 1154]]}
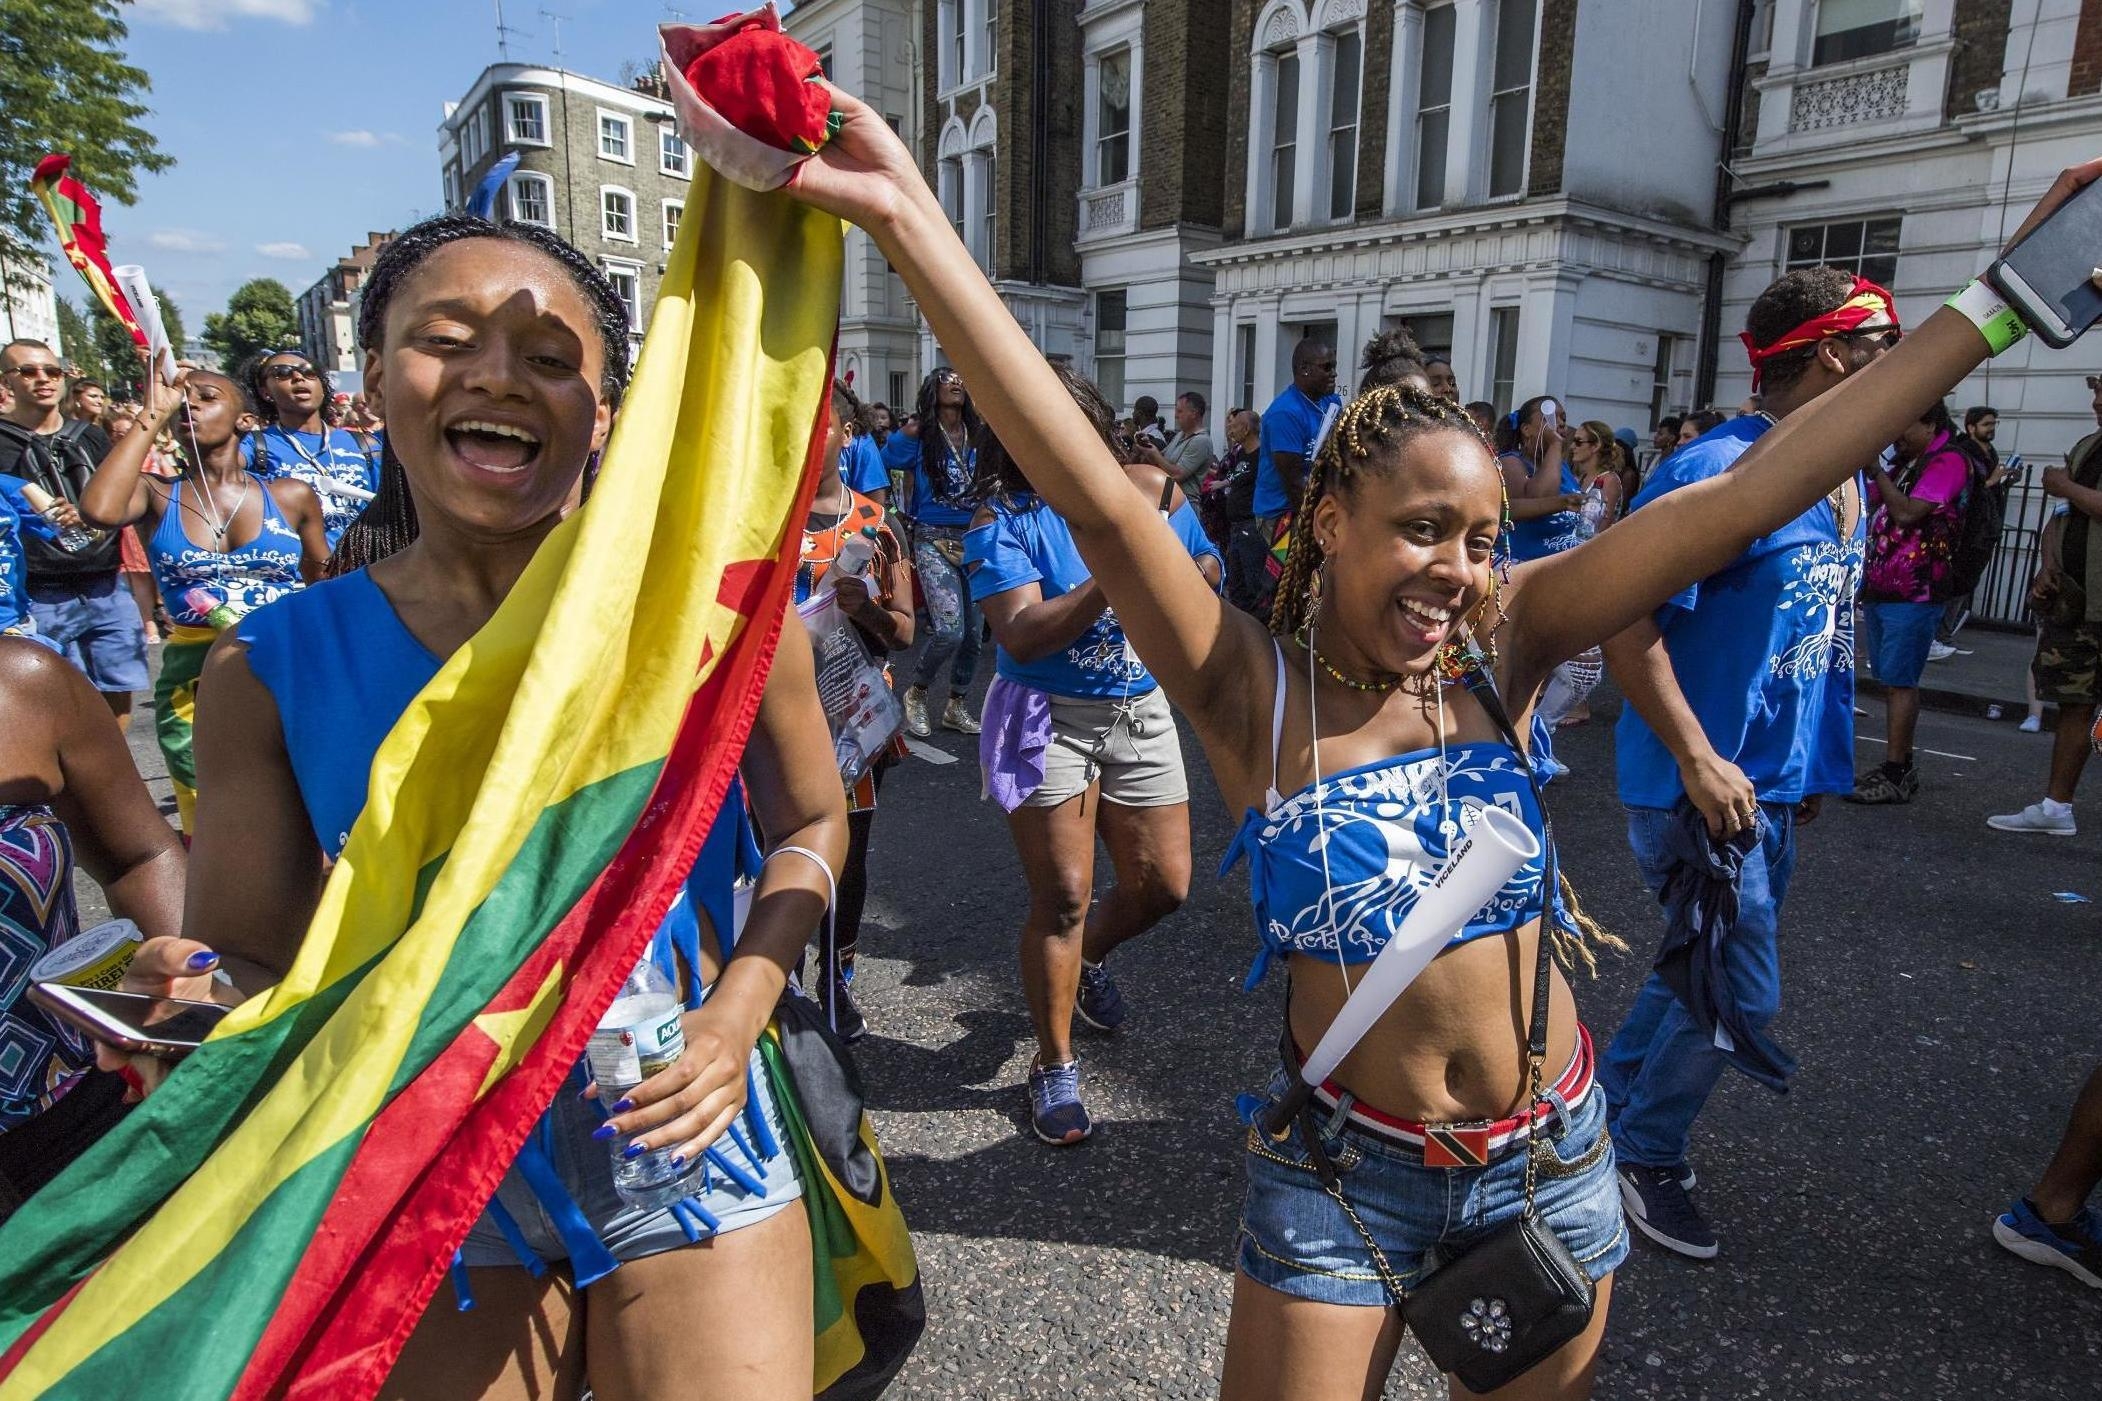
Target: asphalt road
{"points": [[1942, 1002]]}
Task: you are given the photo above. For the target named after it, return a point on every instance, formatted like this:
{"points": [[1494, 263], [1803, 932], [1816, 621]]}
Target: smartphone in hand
{"points": [[167, 1027], [2049, 276]]}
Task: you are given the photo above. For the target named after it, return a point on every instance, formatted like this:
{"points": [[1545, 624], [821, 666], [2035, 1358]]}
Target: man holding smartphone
{"points": [[2068, 602]]}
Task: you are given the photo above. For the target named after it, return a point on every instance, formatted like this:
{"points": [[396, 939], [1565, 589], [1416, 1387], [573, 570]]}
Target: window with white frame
{"points": [[989, 206], [1109, 346], [957, 40], [1661, 374], [674, 210], [1284, 140], [1863, 28], [949, 178], [532, 199], [525, 118], [1244, 360], [452, 188], [474, 136], [1347, 71], [1511, 96], [672, 157], [1865, 247], [992, 37], [627, 285], [824, 61], [616, 213], [1113, 118], [616, 137], [1434, 104], [1432, 331], [1503, 356]]}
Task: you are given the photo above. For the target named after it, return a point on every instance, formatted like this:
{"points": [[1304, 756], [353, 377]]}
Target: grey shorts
{"points": [[1130, 746], [585, 1166]]}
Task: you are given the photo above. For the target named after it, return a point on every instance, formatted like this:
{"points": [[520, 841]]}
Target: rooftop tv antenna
{"points": [[504, 33], [556, 20]]}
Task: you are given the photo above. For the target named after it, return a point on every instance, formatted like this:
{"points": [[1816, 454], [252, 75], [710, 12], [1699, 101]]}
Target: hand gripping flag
{"points": [[78, 219], [273, 1221]]}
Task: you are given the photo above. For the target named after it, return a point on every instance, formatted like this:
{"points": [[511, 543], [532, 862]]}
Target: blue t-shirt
{"points": [[1026, 542], [1763, 650], [1289, 426], [1550, 534], [308, 457], [941, 493], [861, 463], [17, 516]]}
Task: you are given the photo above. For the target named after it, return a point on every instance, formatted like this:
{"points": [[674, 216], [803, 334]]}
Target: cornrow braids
{"points": [[388, 522], [1385, 415]]}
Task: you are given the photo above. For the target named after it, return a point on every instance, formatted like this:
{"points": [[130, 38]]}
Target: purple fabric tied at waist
{"points": [[1017, 731]]}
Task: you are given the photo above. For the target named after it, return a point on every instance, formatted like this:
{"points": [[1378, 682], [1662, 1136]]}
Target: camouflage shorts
{"points": [[2068, 665]]}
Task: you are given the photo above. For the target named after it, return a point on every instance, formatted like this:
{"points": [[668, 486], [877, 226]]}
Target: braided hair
{"points": [[1392, 357], [260, 403], [934, 445], [1386, 417], [388, 522]]}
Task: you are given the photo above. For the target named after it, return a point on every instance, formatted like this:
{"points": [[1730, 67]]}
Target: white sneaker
{"points": [[2034, 819], [2031, 724], [1939, 651]]}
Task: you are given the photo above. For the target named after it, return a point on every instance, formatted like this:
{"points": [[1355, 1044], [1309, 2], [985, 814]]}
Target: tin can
{"points": [[95, 958]]}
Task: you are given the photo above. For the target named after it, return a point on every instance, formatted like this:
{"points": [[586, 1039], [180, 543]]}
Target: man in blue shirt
{"points": [[1740, 702], [1290, 426]]}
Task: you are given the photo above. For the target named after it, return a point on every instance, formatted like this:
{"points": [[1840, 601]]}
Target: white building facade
{"points": [[1455, 167], [867, 47], [29, 305]]}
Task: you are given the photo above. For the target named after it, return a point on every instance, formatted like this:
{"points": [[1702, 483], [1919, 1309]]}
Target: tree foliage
{"points": [[77, 337], [64, 86], [258, 316]]}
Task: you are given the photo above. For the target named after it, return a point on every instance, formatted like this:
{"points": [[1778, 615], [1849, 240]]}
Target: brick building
{"points": [[328, 330], [600, 164], [1907, 139], [1528, 184], [868, 47]]}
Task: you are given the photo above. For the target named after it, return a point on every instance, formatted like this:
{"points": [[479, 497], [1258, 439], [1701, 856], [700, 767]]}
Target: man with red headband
{"points": [[1740, 719]]}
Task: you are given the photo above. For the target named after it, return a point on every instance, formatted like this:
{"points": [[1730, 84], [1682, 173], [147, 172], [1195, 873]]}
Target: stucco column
{"points": [[1403, 86], [1467, 134], [1317, 77], [1269, 378]]}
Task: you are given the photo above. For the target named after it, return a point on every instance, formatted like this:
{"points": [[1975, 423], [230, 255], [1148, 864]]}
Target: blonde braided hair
{"points": [[1386, 416]]}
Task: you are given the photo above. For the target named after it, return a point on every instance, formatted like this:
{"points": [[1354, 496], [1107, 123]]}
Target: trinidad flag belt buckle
{"points": [[1456, 1145]]}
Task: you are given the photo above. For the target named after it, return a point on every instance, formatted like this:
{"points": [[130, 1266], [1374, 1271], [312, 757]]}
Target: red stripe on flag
{"points": [[347, 1312]]}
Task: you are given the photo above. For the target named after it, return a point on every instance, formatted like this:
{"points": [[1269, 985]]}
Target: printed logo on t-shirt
{"points": [[1819, 591]]}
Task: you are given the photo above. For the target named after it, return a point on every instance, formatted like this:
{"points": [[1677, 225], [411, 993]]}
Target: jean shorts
{"points": [[95, 623], [1296, 1240], [1895, 637], [585, 1166]]}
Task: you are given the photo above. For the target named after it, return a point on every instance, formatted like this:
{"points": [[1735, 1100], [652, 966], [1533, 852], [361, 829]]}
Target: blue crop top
{"points": [[209, 588], [1385, 843]]}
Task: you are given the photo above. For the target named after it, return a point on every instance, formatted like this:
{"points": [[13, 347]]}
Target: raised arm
{"points": [[119, 492], [1200, 650]]}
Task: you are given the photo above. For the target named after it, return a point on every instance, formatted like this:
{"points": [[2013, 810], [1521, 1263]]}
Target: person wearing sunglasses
{"points": [[1740, 717], [295, 438], [76, 598]]}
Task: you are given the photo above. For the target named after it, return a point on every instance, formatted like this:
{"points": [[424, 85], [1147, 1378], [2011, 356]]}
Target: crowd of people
{"points": [[1371, 610]]}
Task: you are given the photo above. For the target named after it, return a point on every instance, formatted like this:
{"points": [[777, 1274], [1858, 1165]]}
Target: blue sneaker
{"points": [[1055, 1110], [1099, 1004], [2077, 1249]]}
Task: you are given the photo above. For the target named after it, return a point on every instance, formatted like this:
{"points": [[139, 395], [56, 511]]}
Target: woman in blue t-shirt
{"points": [[940, 510], [1078, 740]]}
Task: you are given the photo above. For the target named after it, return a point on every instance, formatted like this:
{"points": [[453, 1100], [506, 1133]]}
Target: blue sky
{"points": [[297, 126]]}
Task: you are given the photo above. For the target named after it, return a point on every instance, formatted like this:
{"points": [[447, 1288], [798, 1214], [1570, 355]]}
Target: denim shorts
{"points": [[1296, 1240], [585, 1166], [96, 624], [1896, 636]]}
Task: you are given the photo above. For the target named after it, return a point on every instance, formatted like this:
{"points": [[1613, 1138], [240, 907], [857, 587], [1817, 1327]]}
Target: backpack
{"points": [[1978, 533]]}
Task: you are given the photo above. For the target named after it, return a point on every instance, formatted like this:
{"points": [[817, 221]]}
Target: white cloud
{"points": [[290, 252], [185, 241], [213, 14], [364, 140]]}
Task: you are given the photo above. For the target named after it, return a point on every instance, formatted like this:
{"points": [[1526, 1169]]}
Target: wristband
{"points": [[1986, 309]]}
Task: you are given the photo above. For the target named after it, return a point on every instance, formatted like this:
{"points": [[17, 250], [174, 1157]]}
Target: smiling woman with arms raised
{"points": [[1393, 551]]}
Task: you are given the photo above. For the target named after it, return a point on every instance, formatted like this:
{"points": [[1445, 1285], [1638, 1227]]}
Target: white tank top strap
{"points": [[1277, 726]]}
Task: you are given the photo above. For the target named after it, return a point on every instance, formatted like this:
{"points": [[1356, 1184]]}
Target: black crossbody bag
{"points": [[1494, 1313]]}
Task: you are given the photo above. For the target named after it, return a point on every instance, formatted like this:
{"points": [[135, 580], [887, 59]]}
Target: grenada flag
{"points": [[273, 1220], [79, 221]]}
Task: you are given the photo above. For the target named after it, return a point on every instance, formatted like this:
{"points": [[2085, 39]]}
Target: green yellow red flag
{"points": [[78, 219], [273, 1220]]}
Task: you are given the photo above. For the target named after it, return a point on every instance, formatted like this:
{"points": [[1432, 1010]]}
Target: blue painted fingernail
{"points": [[624, 1106], [604, 1132], [634, 1150], [678, 1160], [201, 960]]}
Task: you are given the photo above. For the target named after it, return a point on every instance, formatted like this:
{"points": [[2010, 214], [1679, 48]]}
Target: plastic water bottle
{"points": [[639, 1036], [855, 555], [71, 538]]}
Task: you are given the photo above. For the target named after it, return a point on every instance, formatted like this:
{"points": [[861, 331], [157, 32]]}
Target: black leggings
{"points": [[854, 876]]}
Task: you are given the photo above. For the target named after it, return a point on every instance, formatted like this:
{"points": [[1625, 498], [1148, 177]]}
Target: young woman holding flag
{"points": [[1392, 591]]}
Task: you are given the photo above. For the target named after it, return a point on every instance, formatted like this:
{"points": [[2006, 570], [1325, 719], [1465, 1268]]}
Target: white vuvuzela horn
{"points": [[131, 281], [1486, 857]]}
